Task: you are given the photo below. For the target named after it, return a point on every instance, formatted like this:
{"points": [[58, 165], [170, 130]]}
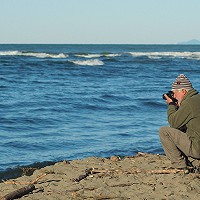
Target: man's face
{"points": [[179, 94]]}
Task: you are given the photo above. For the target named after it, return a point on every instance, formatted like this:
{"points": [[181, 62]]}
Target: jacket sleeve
{"points": [[180, 117]]}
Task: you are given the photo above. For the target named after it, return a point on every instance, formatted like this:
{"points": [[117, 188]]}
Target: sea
{"points": [[69, 101]]}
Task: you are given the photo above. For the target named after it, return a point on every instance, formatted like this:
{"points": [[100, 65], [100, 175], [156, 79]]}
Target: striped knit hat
{"points": [[181, 82]]}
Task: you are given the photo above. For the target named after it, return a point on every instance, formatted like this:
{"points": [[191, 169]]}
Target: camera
{"points": [[170, 94]]}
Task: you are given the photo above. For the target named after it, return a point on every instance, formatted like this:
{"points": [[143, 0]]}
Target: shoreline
{"points": [[143, 176], [28, 170]]}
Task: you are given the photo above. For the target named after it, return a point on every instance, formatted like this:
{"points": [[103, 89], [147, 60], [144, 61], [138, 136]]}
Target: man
{"points": [[182, 139]]}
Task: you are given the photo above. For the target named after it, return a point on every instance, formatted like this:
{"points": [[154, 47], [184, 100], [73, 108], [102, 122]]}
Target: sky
{"points": [[99, 21]]}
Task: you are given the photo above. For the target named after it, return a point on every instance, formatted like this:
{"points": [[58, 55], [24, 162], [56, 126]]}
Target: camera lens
{"points": [[163, 96]]}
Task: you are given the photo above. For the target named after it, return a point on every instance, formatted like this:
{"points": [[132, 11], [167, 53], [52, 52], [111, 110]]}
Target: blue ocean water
{"points": [[73, 101]]}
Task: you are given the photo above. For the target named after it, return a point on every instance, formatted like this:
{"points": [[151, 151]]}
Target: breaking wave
{"points": [[150, 55], [88, 62], [32, 54], [89, 55], [159, 55], [98, 55]]}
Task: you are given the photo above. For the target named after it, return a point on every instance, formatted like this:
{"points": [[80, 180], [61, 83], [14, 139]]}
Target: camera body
{"points": [[170, 94]]}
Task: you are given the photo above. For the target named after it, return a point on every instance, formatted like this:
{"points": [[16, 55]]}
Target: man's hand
{"points": [[168, 100]]}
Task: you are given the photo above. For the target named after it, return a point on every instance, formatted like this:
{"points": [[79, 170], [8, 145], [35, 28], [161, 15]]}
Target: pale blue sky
{"points": [[99, 21]]}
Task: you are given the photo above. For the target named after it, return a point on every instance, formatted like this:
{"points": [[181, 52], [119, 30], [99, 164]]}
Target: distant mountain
{"points": [[193, 41]]}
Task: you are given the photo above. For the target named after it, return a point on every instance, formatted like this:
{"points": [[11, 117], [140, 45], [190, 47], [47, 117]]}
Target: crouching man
{"points": [[182, 139]]}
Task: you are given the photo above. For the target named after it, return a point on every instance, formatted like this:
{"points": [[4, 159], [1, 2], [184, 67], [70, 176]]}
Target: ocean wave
{"points": [[32, 54], [89, 55], [112, 55], [98, 55], [88, 62], [159, 55]]}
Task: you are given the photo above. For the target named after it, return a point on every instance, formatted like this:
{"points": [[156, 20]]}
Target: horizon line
{"points": [[96, 44]]}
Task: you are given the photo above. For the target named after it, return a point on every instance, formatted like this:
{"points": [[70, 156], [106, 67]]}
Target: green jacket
{"points": [[188, 114]]}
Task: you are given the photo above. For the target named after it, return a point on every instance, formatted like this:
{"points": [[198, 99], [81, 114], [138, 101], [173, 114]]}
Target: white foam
{"points": [[112, 55], [98, 55], [8, 53], [157, 55], [88, 62], [34, 54], [89, 55]]}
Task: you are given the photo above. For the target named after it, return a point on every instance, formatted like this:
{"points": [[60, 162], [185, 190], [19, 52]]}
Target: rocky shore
{"points": [[141, 177]]}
